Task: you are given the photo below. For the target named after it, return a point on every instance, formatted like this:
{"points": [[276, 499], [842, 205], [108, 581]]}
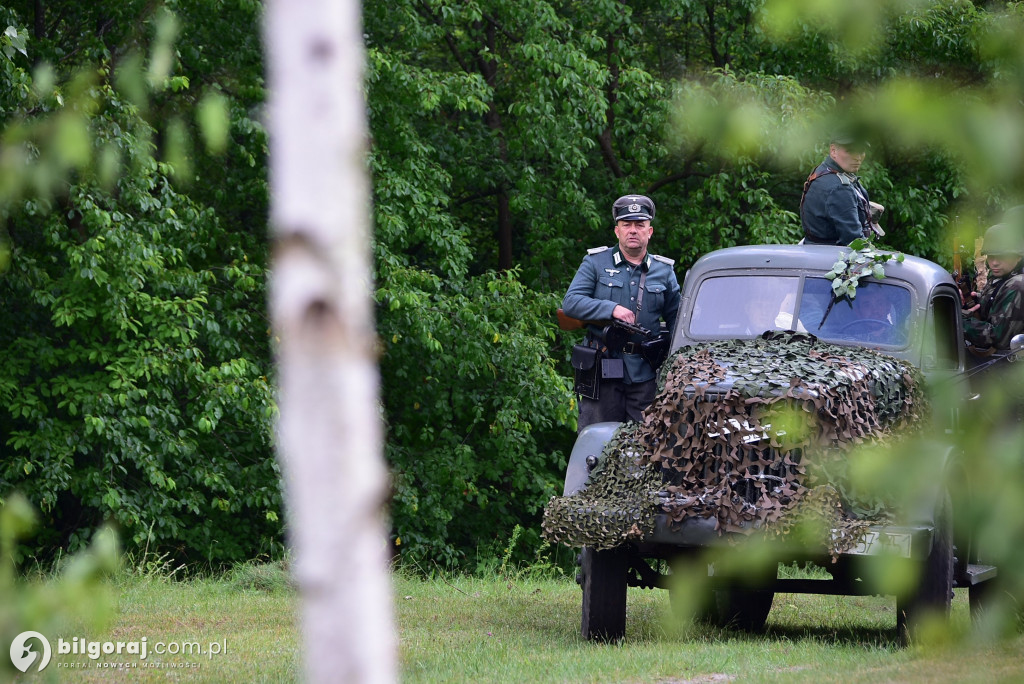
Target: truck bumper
{"points": [[900, 541]]}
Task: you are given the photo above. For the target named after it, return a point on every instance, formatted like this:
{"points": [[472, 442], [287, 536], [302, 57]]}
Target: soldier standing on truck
{"points": [[1000, 314], [623, 283], [835, 208]]}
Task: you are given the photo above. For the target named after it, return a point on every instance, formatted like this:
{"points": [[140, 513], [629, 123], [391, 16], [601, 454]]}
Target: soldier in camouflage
{"points": [[1000, 315], [631, 285]]}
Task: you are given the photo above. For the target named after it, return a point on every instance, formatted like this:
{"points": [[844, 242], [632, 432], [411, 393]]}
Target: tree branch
{"points": [[605, 138], [709, 9], [449, 39], [687, 172]]}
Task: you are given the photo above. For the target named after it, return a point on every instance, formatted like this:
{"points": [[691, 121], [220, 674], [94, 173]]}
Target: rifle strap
{"points": [[815, 175], [640, 292]]}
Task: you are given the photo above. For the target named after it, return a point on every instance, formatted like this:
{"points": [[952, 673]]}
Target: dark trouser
{"points": [[617, 401]]}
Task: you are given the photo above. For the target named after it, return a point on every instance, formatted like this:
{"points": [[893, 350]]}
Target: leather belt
{"points": [[631, 348]]}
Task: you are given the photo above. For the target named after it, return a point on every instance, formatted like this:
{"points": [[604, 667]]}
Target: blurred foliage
{"points": [[75, 595], [938, 88], [133, 216]]}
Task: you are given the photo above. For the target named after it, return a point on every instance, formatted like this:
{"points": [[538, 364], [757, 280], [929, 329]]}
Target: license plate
{"points": [[889, 543]]}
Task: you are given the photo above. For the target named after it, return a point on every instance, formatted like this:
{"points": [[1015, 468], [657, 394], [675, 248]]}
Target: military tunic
{"points": [[835, 209], [605, 279]]}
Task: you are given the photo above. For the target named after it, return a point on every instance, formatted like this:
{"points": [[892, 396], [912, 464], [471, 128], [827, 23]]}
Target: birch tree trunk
{"points": [[329, 435]]}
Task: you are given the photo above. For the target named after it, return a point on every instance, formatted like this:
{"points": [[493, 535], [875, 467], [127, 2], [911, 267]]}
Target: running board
{"points": [[976, 574]]}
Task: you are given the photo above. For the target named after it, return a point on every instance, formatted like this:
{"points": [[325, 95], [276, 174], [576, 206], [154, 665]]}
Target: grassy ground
{"points": [[527, 630], [239, 628]]}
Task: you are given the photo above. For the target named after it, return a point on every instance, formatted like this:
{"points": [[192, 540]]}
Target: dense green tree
{"points": [[134, 387], [481, 117], [133, 195], [502, 131], [533, 128]]}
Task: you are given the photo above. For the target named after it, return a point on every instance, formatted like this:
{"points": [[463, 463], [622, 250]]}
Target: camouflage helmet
{"points": [[1003, 238]]}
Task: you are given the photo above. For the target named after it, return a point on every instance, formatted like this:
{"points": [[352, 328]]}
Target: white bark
{"points": [[329, 434]]}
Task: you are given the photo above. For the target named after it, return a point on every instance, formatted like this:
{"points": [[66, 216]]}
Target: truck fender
{"points": [[589, 442], [948, 464]]}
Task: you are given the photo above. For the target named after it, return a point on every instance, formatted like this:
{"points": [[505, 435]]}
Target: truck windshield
{"points": [[746, 306]]}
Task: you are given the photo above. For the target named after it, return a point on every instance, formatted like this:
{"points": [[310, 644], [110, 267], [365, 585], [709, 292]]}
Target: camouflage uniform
{"points": [[1001, 315]]}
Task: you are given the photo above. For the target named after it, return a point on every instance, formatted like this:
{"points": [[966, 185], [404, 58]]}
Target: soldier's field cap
{"points": [[633, 208], [848, 137]]}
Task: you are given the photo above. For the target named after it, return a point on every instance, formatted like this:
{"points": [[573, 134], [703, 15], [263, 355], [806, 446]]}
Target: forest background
{"points": [[137, 382]]}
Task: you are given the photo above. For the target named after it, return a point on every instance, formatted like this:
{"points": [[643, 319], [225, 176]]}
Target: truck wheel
{"points": [[604, 593], [934, 593], [745, 609]]}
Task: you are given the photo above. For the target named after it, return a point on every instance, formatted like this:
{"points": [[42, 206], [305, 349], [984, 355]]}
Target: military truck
{"points": [[786, 362]]}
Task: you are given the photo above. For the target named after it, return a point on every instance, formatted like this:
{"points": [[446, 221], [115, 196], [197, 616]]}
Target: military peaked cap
{"points": [[633, 208]]}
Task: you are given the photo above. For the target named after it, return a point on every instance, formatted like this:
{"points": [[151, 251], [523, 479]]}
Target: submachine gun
{"points": [[588, 361]]}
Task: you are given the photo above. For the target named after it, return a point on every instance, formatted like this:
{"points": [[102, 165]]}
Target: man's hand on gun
{"points": [[566, 322], [654, 348], [626, 320], [623, 315]]}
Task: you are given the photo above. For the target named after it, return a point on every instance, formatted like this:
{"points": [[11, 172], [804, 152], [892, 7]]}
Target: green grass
{"points": [[253, 622], [522, 629], [528, 631]]}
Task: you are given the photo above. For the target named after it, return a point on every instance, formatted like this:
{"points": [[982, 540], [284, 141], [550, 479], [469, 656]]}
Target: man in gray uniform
{"points": [[835, 208], [628, 284]]}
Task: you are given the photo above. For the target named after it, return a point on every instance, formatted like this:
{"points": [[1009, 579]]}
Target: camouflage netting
{"points": [[754, 434], [618, 504]]}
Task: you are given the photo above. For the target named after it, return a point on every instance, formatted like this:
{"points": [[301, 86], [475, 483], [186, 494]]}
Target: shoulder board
{"points": [[597, 250], [844, 178], [664, 260]]}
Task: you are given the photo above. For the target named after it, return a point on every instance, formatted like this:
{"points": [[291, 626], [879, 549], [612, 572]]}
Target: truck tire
{"points": [[741, 608], [934, 593], [603, 575]]}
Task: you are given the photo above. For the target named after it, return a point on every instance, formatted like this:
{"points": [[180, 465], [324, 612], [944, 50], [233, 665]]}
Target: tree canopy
{"points": [[137, 381]]}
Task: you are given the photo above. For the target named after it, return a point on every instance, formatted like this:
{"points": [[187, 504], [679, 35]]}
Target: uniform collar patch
{"points": [[618, 259]]}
